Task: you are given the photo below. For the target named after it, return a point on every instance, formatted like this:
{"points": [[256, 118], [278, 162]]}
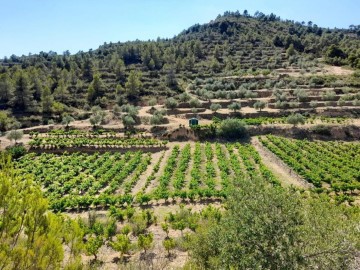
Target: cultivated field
{"points": [[330, 166], [186, 171]]}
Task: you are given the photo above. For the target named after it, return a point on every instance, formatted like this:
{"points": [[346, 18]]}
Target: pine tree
{"points": [[6, 88], [217, 52], [61, 92], [189, 62], [88, 69], [290, 51], [96, 88], [23, 98], [31, 236], [198, 50], [145, 241], [120, 69], [133, 84], [122, 244], [47, 100], [37, 88], [146, 57], [151, 64], [171, 80], [215, 65]]}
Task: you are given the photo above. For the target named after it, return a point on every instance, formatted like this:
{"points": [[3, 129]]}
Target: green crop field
{"points": [[334, 166], [190, 171]]}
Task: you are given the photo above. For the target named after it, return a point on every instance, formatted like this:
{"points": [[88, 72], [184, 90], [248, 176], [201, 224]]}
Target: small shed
{"points": [[193, 122]]}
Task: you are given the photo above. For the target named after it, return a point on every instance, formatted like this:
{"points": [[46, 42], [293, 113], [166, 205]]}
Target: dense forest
{"points": [[45, 85]]}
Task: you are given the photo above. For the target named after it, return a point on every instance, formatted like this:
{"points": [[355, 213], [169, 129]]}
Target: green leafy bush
{"points": [[232, 128]]}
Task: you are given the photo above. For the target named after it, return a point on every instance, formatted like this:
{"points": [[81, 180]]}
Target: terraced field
{"points": [[185, 171]]}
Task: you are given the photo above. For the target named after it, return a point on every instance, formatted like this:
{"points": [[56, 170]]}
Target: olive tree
{"points": [[152, 102], [259, 105], [116, 110], [301, 94], [184, 97], [97, 116], [158, 117], [171, 103], [128, 121], [194, 103], [295, 119], [250, 94], [67, 119], [14, 135], [329, 95], [215, 107], [131, 110], [235, 106]]}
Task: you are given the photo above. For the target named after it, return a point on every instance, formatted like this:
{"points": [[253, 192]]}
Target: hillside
{"points": [[46, 85], [233, 145]]}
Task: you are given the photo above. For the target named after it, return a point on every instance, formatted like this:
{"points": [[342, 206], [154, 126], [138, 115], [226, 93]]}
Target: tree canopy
{"points": [[31, 236], [267, 227]]}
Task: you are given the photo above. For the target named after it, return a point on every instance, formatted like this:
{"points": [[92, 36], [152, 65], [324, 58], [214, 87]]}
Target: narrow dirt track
{"points": [[284, 173], [143, 177]]}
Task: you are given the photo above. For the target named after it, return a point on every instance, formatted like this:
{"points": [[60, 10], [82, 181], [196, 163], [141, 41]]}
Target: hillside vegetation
{"points": [[47, 84], [233, 145]]}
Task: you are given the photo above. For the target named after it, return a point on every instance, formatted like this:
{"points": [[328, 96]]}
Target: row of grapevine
{"points": [[68, 142], [210, 173], [164, 180], [136, 175], [179, 175], [70, 177], [196, 174], [79, 180], [223, 165], [155, 169], [334, 163]]}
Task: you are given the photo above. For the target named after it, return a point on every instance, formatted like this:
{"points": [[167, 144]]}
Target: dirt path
{"points": [[143, 177], [155, 182], [5, 142], [217, 177], [285, 174], [163, 163], [190, 166], [202, 183]]}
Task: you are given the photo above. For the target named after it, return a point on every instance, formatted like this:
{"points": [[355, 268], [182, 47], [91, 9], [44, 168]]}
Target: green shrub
{"points": [[16, 151], [232, 128], [322, 130]]}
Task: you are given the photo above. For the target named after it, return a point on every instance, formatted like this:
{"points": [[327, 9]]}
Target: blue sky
{"points": [[31, 26]]}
